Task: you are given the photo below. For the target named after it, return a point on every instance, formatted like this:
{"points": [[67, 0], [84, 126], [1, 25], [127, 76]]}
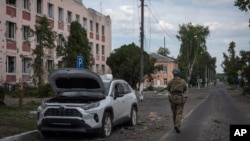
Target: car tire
{"points": [[46, 134], [107, 125], [133, 116]]}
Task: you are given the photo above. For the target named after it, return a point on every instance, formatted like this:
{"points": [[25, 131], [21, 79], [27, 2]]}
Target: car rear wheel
{"points": [[133, 116], [106, 125]]}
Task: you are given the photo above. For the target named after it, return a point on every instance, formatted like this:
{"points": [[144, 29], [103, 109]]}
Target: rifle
{"points": [[156, 92], [169, 96]]}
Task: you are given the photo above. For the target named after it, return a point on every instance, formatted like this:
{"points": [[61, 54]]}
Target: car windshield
{"points": [[81, 94]]}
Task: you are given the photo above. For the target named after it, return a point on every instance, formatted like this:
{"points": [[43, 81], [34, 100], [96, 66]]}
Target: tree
{"points": [[45, 39], [243, 5], [193, 42], [204, 68], [230, 64], [245, 62], [163, 51], [125, 63], [77, 45]]}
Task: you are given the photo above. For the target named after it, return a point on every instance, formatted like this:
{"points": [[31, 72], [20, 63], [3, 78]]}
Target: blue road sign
{"points": [[79, 62]]}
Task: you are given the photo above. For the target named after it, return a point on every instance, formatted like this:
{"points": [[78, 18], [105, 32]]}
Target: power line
{"points": [[157, 19]]}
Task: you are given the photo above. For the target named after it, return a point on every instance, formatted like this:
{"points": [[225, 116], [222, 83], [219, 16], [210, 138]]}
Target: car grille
{"points": [[62, 112]]}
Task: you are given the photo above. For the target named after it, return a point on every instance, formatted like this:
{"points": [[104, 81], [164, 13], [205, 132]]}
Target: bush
{"points": [[246, 90], [45, 91], [2, 95], [28, 91]]}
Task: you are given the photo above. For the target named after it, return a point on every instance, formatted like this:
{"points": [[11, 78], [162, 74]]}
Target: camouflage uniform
{"points": [[177, 87]]}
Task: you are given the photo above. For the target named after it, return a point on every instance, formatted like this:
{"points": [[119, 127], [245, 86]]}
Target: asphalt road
{"points": [[211, 119], [208, 113]]}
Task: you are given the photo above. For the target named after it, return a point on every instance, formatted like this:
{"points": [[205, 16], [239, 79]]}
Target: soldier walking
{"points": [[176, 87]]}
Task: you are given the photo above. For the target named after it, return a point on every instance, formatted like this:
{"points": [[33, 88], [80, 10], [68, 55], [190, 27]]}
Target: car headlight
{"points": [[90, 106], [43, 105]]}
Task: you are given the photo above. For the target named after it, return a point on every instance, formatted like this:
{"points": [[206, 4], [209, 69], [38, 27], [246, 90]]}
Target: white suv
{"points": [[85, 102]]}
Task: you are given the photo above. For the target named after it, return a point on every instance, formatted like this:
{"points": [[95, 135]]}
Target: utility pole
{"points": [[142, 50]]}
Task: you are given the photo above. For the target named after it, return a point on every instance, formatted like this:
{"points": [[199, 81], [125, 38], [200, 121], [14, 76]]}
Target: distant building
{"points": [[16, 47], [165, 66]]}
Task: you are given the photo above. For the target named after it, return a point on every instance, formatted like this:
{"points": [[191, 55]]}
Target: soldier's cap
{"points": [[176, 71]]}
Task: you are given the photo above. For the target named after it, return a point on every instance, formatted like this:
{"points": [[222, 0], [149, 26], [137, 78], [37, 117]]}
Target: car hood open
{"points": [[74, 79]]}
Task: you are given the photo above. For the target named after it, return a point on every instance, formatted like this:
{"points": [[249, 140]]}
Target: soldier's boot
{"points": [[177, 129]]}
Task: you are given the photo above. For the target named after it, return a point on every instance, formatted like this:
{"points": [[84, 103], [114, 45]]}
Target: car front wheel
{"points": [[133, 116], [106, 125]]}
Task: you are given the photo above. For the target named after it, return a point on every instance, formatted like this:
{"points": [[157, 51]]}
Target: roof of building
{"points": [[161, 58]]}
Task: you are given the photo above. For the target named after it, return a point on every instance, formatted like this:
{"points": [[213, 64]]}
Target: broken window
{"points": [[10, 64], [11, 2]]}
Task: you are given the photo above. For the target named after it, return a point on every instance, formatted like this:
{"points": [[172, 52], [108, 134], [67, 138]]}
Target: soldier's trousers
{"points": [[177, 110]]}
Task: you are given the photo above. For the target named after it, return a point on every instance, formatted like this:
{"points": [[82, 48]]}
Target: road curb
{"points": [[20, 137]]}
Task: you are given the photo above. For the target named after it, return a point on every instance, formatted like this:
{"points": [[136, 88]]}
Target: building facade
{"points": [[16, 46], [164, 73]]}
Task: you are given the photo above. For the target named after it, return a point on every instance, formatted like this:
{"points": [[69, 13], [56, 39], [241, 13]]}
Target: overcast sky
{"points": [[163, 17]]}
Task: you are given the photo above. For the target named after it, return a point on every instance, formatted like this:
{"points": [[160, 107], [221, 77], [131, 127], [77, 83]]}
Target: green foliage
{"points": [[45, 37], [243, 5], [193, 45], [125, 63], [15, 120], [159, 67], [246, 90], [163, 51], [37, 65], [41, 91], [76, 45], [2, 95], [245, 63], [231, 64], [45, 91]]}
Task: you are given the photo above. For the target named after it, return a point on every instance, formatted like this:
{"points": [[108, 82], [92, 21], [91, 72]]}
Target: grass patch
{"points": [[14, 120]]}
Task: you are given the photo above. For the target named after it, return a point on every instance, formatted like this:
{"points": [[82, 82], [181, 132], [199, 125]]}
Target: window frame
{"points": [[26, 65], [103, 30], [25, 33], [10, 30], [26, 5], [78, 18], [85, 23], [8, 69], [50, 65], [103, 50], [97, 28], [91, 25], [60, 14], [69, 17], [60, 40], [50, 10], [97, 49], [39, 6], [11, 2]]}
